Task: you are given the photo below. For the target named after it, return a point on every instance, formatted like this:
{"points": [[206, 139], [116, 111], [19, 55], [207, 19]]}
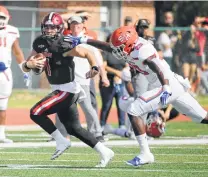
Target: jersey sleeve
{"points": [[147, 52], [35, 45]]}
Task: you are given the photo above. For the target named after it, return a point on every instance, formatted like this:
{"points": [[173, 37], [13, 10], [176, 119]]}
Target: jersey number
{"points": [[3, 42]]}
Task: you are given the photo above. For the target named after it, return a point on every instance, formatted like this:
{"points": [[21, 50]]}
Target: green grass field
{"points": [[173, 160], [170, 161]]}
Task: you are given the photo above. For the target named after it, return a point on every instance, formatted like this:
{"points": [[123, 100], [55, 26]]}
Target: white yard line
{"points": [[112, 143], [54, 167], [114, 161], [88, 154]]}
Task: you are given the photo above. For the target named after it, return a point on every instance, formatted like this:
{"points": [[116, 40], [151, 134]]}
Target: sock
{"points": [[100, 148], [2, 132], [142, 140], [58, 136]]}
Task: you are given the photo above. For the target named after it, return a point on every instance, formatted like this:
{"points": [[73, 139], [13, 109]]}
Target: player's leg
{"points": [[70, 118], [52, 103], [147, 102], [5, 92], [187, 105], [60, 126]]}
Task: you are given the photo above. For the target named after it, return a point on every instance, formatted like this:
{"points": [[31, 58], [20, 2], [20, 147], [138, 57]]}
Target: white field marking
{"points": [[116, 161], [88, 154], [55, 167], [28, 135], [110, 143]]}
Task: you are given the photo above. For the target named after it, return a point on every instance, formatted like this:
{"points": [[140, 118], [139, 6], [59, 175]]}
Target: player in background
{"points": [[166, 86], [59, 68], [9, 43]]}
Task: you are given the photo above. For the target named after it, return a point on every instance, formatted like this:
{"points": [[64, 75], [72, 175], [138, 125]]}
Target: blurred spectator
{"points": [[164, 44], [115, 90], [201, 37], [204, 77], [189, 47], [168, 39], [128, 21]]}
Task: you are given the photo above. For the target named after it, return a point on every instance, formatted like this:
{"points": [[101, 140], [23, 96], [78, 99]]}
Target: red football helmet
{"points": [[122, 41], [4, 16], [52, 25], [155, 126]]}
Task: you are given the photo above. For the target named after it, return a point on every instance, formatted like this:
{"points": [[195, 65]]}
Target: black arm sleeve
{"points": [[100, 45]]}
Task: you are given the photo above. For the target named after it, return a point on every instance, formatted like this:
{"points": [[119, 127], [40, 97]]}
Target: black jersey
{"points": [[59, 69]]}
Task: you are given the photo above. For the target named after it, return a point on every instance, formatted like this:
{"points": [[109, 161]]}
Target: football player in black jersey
{"points": [[59, 70]]}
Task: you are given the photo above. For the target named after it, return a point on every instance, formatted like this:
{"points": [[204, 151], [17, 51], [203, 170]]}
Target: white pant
{"points": [[180, 99], [5, 88]]}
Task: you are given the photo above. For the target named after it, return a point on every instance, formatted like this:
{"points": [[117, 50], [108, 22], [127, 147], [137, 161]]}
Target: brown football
{"points": [[39, 56]]}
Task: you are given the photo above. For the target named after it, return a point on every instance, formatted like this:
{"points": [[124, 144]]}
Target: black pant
{"points": [[64, 104]]}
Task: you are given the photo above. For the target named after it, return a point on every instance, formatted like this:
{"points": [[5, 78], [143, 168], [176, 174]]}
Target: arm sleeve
{"points": [[148, 52]]}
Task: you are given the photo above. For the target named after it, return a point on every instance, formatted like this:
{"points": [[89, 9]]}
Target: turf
{"points": [[171, 161]]}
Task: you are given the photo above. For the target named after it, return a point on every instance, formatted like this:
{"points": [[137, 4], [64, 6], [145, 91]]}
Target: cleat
{"points": [[105, 159], [6, 140], [140, 160], [60, 148]]}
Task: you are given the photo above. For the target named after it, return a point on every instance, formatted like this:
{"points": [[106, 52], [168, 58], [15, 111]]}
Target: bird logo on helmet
{"points": [[52, 25], [155, 126], [4, 17], [122, 41]]}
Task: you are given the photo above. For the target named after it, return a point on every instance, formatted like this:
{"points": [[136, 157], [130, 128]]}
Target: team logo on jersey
{"points": [[41, 46]]}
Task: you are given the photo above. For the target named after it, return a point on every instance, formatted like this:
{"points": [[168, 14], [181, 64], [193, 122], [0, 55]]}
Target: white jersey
{"points": [[144, 50], [7, 38]]}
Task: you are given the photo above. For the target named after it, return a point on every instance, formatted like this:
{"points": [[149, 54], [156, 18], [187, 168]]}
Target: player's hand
{"points": [[165, 95], [74, 41], [92, 73], [34, 63]]}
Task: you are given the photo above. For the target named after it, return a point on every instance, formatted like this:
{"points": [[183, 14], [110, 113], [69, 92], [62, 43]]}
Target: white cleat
{"points": [[60, 148], [105, 158], [6, 140], [141, 159]]}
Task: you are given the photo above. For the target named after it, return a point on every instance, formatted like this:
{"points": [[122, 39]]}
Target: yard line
{"points": [[54, 167], [88, 154], [112, 143], [114, 161]]}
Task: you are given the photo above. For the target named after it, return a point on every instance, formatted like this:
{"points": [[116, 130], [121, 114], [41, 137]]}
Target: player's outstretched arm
{"points": [[82, 52], [75, 41]]}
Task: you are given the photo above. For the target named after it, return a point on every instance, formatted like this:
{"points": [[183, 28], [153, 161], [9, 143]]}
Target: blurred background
{"points": [[180, 23]]}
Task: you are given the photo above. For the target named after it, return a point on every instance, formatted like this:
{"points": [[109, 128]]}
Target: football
{"points": [[39, 56]]}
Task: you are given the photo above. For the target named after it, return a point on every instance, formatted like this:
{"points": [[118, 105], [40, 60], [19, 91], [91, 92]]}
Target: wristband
{"points": [[83, 40], [166, 88], [23, 64], [26, 67], [95, 68]]}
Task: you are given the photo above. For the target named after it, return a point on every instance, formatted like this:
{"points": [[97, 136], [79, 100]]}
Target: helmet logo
{"points": [[124, 37]]}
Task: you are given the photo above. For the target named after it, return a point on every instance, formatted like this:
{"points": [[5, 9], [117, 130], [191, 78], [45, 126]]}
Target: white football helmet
{"points": [[4, 17]]}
